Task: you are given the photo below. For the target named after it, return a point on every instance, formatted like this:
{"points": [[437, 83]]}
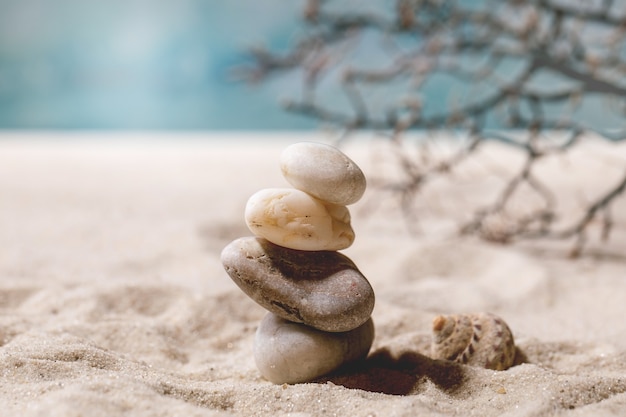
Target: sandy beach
{"points": [[113, 300]]}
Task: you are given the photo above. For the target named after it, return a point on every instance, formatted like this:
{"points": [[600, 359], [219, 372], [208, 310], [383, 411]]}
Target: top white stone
{"points": [[324, 172]]}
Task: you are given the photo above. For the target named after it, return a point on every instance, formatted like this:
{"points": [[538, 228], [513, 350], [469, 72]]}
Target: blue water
{"points": [[139, 64], [167, 64]]}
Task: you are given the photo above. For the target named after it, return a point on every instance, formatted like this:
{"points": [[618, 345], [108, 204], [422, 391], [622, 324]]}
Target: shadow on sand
{"points": [[405, 374]]}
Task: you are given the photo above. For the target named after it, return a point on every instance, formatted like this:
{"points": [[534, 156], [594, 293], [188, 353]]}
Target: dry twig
{"points": [[536, 66]]}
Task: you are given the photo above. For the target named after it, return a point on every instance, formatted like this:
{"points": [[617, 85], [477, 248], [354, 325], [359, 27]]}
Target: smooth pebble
{"points": [[287, 352], [324, 289], [323, 171], [296, 220]]}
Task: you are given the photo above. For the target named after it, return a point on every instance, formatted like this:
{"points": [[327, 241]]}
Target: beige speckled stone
{"points": [[287, 352], [323, 171], [324, 290], [296, 220]]}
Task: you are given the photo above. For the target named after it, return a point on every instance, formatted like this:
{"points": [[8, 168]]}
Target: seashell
{"points": [[477, 339]]}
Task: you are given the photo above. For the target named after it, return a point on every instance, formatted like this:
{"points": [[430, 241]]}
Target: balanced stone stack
{"points": [[319, 303]]}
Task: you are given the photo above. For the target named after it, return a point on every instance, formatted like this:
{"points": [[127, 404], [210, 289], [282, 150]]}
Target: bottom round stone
{"points": [[287, 352]]}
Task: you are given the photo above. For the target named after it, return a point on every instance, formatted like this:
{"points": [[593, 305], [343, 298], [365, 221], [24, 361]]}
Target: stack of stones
{"points": [[319, 303]]}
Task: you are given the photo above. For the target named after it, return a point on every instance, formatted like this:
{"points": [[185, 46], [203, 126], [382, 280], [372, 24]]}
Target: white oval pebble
{"points": [[323, 171], [294, 219], [287, 352]]}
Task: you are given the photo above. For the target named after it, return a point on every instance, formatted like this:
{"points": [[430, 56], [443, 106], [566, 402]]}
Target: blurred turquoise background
{"points": [[167, 64], [140, 64]]}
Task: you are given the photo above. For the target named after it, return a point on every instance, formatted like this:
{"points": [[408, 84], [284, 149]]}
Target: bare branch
{"points": [[531, 66]]}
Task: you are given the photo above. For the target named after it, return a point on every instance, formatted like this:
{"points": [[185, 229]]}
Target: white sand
{"points": [[113, 300]]}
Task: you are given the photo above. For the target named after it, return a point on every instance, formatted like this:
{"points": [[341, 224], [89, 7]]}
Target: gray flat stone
{"points": [[324, 290], [287, 352]]}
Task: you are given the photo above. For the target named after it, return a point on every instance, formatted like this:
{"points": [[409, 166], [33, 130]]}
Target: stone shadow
{"points": [[406, 374], [385, 373]]}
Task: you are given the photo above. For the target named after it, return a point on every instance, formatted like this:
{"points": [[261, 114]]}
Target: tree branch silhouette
{"points": [[509, 66]]}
